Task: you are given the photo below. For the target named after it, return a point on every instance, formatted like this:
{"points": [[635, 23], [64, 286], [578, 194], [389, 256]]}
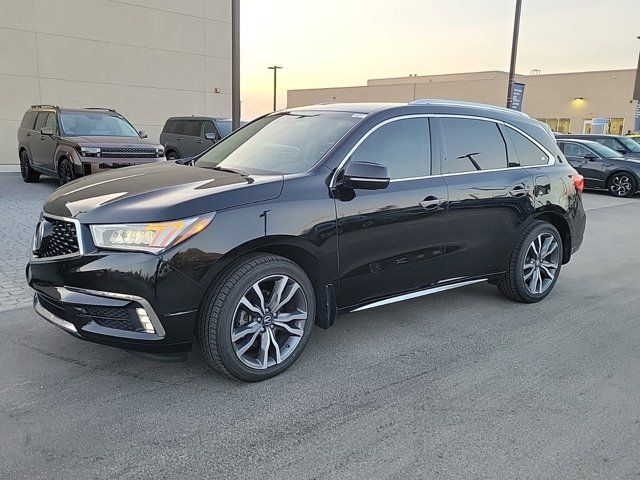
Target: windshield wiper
{"points": [[231, 170]]}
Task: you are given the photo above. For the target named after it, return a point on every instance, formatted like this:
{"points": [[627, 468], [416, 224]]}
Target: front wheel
{"points": [[171, 155], [535, 264], [622, 185], [65, 171], [257, 318]]}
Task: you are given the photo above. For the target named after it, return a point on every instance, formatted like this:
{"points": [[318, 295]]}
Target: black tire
{"points": [[218, 314], [66, 173], [514, 285], [171, 155], [622, 185], [29, 175]]}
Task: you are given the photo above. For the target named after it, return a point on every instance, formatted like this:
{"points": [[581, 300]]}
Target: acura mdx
{"points": [[302, 215]]}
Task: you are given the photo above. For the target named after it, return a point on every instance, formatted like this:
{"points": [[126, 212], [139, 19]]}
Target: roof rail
{"points": [[44, 105], [461, 103], [100, 108]]}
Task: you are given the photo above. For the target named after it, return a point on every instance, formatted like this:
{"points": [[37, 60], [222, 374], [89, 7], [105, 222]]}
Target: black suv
{"points": [[299, 216], [621, 144], [185, 137], [70, 143]]}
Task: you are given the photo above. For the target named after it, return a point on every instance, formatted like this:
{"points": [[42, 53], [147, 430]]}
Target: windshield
{"points": [[630, 144], [606, 152], [81, 124], [290, 142]]}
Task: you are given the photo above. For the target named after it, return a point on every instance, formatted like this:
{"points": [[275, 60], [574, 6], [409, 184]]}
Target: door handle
{"points": [[28, 134], [199, 141], [431, 203], [179, 138], [519, 191]]}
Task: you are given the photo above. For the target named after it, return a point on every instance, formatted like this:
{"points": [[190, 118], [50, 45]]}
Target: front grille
{"points": [[128, 152], [108, 317], [59, 237]]}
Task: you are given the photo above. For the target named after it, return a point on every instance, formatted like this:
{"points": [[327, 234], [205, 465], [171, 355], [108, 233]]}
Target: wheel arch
{"points": [[562, 225], [304, 254]]}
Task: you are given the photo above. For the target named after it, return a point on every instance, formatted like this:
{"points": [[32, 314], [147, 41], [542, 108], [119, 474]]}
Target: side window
{"points": [[28, 120], [179, 127], [208, 127], [575, 150], [403, 146], [52, 122], [193, 128], [528, 153], [612, 143], [41, 120], [472, 145]]}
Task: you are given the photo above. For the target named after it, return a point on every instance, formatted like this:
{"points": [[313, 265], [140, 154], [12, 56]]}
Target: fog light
{"points": [[145, 321]]}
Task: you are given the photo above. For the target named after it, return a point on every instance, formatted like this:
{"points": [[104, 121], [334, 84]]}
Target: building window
{"points": [[614, 127], [560, 125]]}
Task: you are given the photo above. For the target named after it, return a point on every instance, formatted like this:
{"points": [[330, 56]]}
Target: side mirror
{"points": [[210, 136], [621, 150], [365, 176], [591, 157], [46, 131], [142, 134]]}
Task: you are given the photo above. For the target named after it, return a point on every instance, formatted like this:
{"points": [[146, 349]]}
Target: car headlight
{"points": [[148, 237], [90, 151], [160, 151]]}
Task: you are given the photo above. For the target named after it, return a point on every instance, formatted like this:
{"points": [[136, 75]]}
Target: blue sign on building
{"points": [[637, 125], [516, 96]]}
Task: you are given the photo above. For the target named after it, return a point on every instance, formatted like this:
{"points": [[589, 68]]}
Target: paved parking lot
{"points": [[464, 384]]}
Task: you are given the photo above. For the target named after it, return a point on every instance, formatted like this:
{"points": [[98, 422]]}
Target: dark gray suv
{"points": [[70, 143], [184, 137]]}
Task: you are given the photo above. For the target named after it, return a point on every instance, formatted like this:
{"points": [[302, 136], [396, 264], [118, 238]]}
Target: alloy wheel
{"points": [[620, 185], [269, 321], [541, 263], [66, 174], [24, 165]]}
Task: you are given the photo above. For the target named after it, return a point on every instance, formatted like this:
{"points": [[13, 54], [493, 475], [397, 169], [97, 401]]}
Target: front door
{"points": [[43, 147], [391, 240]]}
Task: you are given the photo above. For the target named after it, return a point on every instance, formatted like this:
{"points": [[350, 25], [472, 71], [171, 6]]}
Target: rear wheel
{"points": [[65, 171], [622, 185], [535, 264], [257, 318], [29, 175]]}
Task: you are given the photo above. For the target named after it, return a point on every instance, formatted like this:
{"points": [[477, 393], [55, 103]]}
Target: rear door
{"points": [[490, 195], [391, 240], [172, 141]]}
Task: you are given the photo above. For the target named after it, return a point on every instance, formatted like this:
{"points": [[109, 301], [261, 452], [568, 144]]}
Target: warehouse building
{"points": [[148, 59], [568, 102]]}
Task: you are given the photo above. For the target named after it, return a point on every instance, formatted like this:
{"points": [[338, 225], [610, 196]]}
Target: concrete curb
{"points": [[9, 168]]}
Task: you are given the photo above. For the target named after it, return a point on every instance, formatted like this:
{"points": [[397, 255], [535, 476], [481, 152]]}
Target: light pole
{"points": [[514, 53], [275, 69], [235, 64]]}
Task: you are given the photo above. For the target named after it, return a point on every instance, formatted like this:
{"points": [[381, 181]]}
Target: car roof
{"points": [[107, 111], [577, 140], [196, 117], [587, 135]]}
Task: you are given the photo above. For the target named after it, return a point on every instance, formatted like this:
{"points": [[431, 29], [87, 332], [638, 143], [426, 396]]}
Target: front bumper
{"points": [[87, 166], [82, 296]]}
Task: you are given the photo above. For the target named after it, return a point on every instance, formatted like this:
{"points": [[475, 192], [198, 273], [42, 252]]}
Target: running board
{"points": [[421, 293]]}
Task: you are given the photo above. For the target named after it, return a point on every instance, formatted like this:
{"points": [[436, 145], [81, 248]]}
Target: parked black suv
{"points": [[301, 215], [602, 167], [620, 143], [69, 143], [185, 137]]}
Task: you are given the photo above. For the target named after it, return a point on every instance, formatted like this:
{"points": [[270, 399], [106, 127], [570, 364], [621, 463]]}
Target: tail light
{"points": [[578, 182]]}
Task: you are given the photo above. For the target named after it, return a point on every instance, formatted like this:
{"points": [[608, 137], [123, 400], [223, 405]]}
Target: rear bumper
{"points": [[82, 296]]}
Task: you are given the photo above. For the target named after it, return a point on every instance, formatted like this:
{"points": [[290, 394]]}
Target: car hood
{"points": [[158, 192], [97, 141]]}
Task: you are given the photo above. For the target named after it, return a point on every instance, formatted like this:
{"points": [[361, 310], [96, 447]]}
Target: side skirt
{"points": [[419, 293]]}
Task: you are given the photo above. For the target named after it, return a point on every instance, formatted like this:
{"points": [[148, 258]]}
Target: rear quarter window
{"points": [[527, 152]]}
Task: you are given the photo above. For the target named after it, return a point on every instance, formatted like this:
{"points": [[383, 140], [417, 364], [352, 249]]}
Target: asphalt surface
{"points": [[463, 384]]}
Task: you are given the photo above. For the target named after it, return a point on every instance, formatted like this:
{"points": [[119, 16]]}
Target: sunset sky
{"points": [[344, 42]]}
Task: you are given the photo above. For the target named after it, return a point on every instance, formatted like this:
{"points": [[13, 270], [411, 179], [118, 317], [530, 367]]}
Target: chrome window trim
{"points": [[552, 158], [80, 252]]}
